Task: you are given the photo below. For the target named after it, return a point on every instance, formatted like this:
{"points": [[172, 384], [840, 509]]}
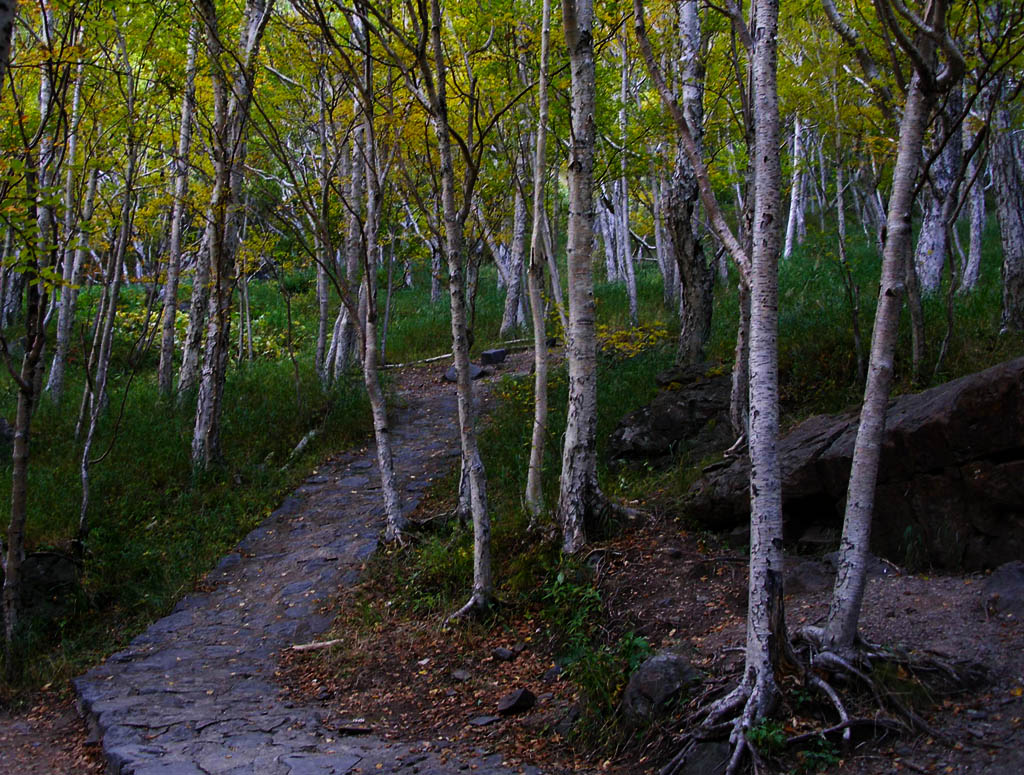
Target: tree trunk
{"points": [[165, 371], [764, 642], [231, 115], [188, 373], [454, 225], [844, 611], [579, 495], [972, 267], [534, 496], [69, 296], [1008, 181], [797, 189], [511, 318], [933, 238]]}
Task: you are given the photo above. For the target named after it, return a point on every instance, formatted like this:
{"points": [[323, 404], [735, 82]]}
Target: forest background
{"points": [[221, 220]]}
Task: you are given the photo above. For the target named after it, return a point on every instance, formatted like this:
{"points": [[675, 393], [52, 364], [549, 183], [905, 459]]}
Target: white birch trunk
{"points": [[848, 593], [578, 489], [454, 224], [534, 496], [512, 315], [165, 370], [796, 190], [73, 262], [976, 217], [764, 642]]}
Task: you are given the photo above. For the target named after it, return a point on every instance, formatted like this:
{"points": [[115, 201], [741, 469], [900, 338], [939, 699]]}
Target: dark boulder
{"points": [[493, 357], [519, 701], [1004, 590], [951, 480], [691, 414], [49, 584], [475, 372], [655, 682]]}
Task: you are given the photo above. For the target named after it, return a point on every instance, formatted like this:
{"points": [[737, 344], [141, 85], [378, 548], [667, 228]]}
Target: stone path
{"points": [[195, 693]]}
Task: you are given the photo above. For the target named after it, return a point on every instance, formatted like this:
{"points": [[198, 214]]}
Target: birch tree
{"points": [[165, 371], [767, 642], [232, 102]]}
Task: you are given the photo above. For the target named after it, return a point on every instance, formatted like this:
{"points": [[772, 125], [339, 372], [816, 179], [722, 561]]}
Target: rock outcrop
{"points": [[691, 415], [951, 480]]}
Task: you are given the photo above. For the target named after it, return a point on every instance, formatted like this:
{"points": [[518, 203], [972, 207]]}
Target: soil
{"points": [[417, 681], [49, 737]]}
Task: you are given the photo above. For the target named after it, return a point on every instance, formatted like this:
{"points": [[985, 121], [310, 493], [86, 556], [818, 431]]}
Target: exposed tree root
{"points": [[477, 606], [858, 680]]}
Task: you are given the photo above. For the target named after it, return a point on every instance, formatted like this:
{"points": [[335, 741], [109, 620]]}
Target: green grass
{"points": [[156, 527]]}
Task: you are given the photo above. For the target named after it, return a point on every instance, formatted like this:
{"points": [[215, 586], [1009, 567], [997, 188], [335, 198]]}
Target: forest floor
{"points": [[438, 689]]}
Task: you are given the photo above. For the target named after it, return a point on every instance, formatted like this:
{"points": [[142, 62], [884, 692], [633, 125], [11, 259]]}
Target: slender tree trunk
{"points": [[933, 238], [1008, 180], [847, 596], [797, 188], [511, 317], [69, 296], [764, 641], [972, 267], [454, 225], [165, 371], [188, 373], [622, 203], [579, 495], [27, 381], [534, 496], [231, 115]]}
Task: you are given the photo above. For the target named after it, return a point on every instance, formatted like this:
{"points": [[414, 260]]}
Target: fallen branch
{"points": [[317, 646]]}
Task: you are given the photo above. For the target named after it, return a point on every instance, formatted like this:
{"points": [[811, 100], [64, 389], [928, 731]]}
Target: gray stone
{"points": [[493, 357], [475, 372], [483, 721], [519, 701], [503, 654], [655, 682], [461, 675], [692, 414], [1004, 590], [802, 576]]}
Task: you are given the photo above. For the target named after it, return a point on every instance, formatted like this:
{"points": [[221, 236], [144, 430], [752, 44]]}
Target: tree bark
{"points": [[1008, 180], [764, 641], [69, 296], [579, 496], [933, 237], [848, 593], [534, 496], [165, 371], [511, 317], [435, 73], [797, 188], [972, 267], [231, 116]]}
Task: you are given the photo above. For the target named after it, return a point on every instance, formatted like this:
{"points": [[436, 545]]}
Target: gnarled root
{"points": [[839, 678], [478, 605]]}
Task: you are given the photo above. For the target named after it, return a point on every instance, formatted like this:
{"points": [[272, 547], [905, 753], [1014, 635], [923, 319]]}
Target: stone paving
{"points": [[195, 693]]}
